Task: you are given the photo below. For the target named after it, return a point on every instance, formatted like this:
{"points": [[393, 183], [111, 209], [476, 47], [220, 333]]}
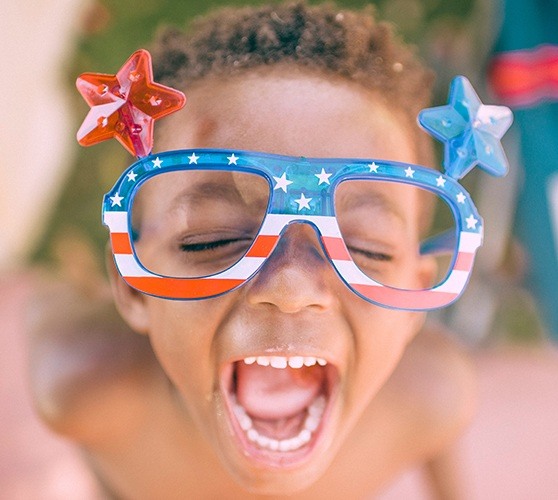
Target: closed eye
{"points": [[378, 256], [212, 245]]}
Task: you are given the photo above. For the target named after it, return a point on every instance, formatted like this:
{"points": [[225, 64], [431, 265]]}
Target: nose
{"points": [[297, 275]]}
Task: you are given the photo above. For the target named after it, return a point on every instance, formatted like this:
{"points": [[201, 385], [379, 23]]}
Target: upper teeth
{"points": [[284, 361]]}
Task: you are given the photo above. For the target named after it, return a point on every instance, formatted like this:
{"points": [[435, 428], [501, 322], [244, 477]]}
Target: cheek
{"points": [[381, 343], [182, 337]]}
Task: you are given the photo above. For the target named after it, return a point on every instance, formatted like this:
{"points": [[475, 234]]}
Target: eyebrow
{"points": [[368, 199], [203, 191]]}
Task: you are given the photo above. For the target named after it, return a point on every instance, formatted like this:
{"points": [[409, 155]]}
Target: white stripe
{"points": [[242, 269], [469, 242], [128, 267], [117, 221], [274, 223], [455, 283], [353, 274]]}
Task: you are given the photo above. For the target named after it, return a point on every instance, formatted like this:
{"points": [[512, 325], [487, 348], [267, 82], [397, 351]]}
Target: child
{"points": [[293, 380]]}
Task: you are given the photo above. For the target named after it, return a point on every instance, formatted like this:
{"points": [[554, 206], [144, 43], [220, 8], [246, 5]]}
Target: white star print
{"points": [[232, 159], [409, 172], [282, 182], [440, 181], [115, 200], [460, 198], [131, 176], [156, 162], [373, 167], [471, 222], [193, 158], [323, 177], [303, 202]]}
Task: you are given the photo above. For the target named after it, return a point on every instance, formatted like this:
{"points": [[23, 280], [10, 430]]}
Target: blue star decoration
{"points": [[470, 130]]}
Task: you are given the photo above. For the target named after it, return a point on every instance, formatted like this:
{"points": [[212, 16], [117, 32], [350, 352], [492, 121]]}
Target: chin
{"points": [[277, 483]]}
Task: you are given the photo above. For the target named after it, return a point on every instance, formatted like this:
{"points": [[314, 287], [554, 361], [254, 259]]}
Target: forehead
{"points": [[285, 113]]}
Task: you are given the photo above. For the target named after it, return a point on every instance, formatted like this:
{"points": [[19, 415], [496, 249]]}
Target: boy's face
{"points": [[296, 310]]}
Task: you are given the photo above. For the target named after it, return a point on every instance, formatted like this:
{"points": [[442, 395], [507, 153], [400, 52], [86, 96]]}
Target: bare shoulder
{"points": [[419, 413], [433, 391], [88, 370]]}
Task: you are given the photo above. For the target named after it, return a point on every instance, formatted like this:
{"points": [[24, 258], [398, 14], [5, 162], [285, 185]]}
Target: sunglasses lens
{"points": [[195, 223], [400, 235]]}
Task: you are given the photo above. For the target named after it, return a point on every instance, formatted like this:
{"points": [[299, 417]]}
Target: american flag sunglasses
{"points": [[226, 210]]}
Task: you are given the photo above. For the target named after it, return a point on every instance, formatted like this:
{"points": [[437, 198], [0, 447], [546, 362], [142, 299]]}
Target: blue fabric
{"points": [[528, 24]]}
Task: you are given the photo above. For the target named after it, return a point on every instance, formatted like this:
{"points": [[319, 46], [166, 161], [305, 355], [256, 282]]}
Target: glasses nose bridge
{"points": [[325, 228], [296, 222], [302, 222], [300, 239]]}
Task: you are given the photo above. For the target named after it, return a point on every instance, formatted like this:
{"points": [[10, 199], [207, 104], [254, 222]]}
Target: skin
{"points": [[390, 411]]}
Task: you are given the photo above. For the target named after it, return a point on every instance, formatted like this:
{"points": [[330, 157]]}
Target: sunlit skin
{"points": [[296, 304]]}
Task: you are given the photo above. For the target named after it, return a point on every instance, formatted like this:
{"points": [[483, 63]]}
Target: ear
{"points": [[130, 303]]}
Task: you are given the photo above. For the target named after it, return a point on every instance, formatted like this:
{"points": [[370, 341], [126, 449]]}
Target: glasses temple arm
{"points": [[440, 243]]}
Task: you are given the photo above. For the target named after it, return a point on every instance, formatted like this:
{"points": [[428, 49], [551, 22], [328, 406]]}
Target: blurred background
{"points": [[51, 191]]}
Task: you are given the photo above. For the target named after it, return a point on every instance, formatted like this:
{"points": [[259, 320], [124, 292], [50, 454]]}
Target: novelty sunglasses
{"points": [[195, 224]]}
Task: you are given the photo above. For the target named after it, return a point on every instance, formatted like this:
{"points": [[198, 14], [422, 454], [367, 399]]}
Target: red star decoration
{"points": [[125, 105]]}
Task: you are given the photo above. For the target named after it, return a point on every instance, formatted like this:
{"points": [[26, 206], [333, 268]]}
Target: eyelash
{"points": [[210, 245], [379, 256]]}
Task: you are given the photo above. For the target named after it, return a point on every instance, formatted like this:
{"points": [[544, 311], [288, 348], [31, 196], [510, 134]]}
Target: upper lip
{"points": [[284, 335], [286, 354], [283, 339]]}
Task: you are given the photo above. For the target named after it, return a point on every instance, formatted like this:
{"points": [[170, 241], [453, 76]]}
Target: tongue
{"points": [[271, 393]]}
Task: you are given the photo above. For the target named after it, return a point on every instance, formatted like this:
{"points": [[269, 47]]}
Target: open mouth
{"points": [[278, 405]]}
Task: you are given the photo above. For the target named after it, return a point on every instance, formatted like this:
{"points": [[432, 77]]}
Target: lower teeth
{"points": [[311, 423]]}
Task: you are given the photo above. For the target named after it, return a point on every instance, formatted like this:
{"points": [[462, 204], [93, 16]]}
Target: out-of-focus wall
{"points": [[35, 120]]}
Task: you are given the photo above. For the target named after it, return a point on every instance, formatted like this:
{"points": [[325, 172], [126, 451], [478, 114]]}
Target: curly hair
{"points": [[349, 43]]}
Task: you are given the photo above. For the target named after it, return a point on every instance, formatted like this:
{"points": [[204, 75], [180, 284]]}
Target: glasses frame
{"points": [[117, 203]]}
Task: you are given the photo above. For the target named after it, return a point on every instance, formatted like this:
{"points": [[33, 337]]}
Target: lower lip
{"points": [[269, 458]]}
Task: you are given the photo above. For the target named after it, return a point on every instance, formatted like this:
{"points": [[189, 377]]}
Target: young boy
{"points": [[293, 381]]}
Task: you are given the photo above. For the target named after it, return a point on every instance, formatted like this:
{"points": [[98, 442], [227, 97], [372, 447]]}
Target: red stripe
{"points": [[120, 243], [408, 299], [525, 77], [263, 246], [336, 248], [182, 288], [464, 261], [523, 83]]}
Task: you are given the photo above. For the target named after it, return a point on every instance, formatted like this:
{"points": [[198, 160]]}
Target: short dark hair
{"points": [[324, 38]]}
